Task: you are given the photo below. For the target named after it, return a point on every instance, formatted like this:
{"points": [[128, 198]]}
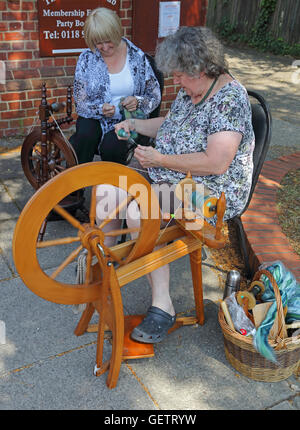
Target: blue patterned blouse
{"points": [[92, 85], [186, 129]]}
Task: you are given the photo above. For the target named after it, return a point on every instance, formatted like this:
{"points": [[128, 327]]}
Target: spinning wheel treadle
{"points": [[133, 259]]}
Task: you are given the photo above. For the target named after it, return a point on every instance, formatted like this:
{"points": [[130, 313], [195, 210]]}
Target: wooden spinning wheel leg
{"points": [[196, 268], [110, 308], [85, 319]]}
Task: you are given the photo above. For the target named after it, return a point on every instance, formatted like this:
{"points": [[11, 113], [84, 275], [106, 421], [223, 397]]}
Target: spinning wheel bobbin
{"points": [[186, 191]]}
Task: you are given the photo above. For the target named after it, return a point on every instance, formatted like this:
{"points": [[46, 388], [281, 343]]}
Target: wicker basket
{"points": [[245, 359]]}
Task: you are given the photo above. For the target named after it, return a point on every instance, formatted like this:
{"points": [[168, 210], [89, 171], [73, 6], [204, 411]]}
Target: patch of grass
{"points": [[288, 207]]}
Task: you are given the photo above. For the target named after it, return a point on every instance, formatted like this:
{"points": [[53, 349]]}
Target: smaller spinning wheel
{"points": [[45, 151], [59, 157]]}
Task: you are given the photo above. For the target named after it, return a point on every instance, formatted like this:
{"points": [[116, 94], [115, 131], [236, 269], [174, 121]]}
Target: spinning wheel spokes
{"points": [[67, 261], [93, 206], [116, 211], [68, 217], [55, 242]]}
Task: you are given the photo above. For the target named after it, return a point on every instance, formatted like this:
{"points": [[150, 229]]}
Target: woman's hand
{"points": [[125, 125], [108, 110], [130, 103], [148, 156]]}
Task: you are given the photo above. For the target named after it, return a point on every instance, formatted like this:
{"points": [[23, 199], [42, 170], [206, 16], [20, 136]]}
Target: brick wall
{"points": [[20, 96]]}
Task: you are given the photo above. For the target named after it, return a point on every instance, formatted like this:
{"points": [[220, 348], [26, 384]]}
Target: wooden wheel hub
{"points": [[89, 234]]}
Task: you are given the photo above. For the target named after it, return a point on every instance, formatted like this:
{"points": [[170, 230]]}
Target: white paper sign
{"points": [[169, 17]]}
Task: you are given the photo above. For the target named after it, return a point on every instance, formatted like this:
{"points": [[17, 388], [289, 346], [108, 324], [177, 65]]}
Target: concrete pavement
{"points": [[43, 365]]}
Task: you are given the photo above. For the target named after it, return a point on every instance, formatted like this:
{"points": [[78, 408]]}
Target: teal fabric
{"points": [[290, 296], [137, 114]]}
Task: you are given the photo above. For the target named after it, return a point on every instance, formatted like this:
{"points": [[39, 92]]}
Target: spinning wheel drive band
{"points": [[60, 156], [46, 199]]}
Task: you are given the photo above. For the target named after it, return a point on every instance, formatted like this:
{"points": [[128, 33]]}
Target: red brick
{"points": [[32, 16], [126, 4], [34, 94], [14, 105], [17, 65], [20, 46], [71, 61], [262, 189], [3, 26], [28, 5], [32, 45], [50, 83], [47, 62], [263, 219], [3, 106], [18, 85], [3, 5], [59, 61], [18, 35], [27, 121], [26, 104], [261, 227], [273, 249], [14, 4], [69, 70], [14, 16], [29, 25], [60, 92], [17, 56], [64, 82], [35, 64], [52, 71], [259, 241], [15, 26], [260, 205], [13, 96], [253, 235], [284, 255], [4, 124], [34, 35], [13, 114], [25, 74]]}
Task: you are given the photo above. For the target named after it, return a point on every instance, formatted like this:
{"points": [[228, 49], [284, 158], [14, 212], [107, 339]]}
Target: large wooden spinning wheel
{"points": [[107, 269], [100, 286], [46, 199]]}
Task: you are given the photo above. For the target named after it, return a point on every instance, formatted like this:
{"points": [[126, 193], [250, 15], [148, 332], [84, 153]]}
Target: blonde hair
{"points": [[102, 25]]}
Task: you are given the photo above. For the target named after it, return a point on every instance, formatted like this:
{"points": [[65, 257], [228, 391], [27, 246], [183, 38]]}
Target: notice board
{"points": [[61, 24], [152, 19]]}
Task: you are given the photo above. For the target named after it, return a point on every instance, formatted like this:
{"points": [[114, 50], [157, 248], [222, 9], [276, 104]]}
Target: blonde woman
{"points": [[111, 68]]}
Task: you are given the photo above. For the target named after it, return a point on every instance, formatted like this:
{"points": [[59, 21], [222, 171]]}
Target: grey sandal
{"points": [[155, 326]]}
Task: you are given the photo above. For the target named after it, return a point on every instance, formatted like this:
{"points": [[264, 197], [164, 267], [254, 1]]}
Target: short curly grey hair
{"points": [[191, 50]]}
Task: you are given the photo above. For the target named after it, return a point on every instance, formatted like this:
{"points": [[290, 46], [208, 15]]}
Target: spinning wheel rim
{"points": [[43, 201]]}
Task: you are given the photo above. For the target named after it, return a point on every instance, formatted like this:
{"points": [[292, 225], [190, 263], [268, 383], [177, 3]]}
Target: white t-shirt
{"points": [[121, 85]]}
